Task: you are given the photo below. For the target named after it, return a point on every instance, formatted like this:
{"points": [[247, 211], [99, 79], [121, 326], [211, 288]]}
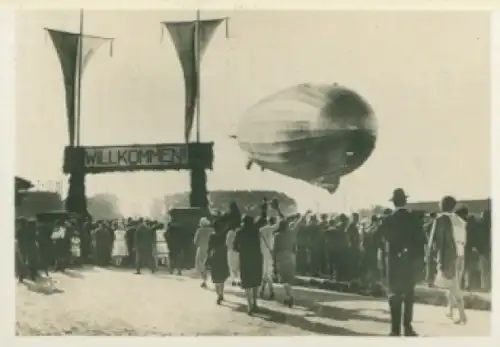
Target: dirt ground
{"points": [[96, 301]]}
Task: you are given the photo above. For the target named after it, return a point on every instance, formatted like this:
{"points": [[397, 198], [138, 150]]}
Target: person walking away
{"points": [[247, 244], [405, 242], [217, 259], [449, 234], [266, 246], [174, 239], [119, 246], [233, 258], [201, 239], [143, 242]]}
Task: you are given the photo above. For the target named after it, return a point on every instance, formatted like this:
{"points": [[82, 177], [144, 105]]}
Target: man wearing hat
{"points": [[404, 239]]}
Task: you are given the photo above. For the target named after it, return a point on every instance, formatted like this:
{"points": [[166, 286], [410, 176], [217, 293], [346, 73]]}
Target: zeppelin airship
{"points": [[314, 133]]}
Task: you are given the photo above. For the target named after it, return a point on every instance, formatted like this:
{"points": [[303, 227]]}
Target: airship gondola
{"points": [[314, 133]]}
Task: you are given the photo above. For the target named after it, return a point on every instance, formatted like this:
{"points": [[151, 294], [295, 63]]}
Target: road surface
{"points": [[96, 301]]}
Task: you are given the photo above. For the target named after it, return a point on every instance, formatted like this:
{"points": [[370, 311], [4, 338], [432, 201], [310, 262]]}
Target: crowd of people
{"points": [[398, 248]]}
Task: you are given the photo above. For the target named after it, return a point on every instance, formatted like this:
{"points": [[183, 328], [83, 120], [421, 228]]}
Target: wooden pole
{"points": [[198, 73], [79, 93]]}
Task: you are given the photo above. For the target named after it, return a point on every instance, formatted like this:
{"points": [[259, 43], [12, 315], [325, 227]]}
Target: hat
{"points": [[398, 193], [204, 222]]}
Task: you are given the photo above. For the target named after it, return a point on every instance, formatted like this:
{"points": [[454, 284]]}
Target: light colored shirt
{"points": [[459, 231], [231, 235], [59, 233], [267, 237], [202, 237]]}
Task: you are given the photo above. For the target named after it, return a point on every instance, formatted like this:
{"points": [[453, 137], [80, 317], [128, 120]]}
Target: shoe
{"points": [[220, 298], [204, 285], [461, 321], [394, 333], [410, 332]]}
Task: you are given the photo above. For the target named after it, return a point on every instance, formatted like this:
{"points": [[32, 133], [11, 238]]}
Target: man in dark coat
{"points": [[354, 244], [175, 239], [27, 239], [144, 241], [405, 240]]}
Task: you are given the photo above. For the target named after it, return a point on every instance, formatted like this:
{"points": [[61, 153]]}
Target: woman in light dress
{"points": [[201, 239], [267, 233], [119, 245], [449, 235], [285, 250], [161, 245], [233, 257]]}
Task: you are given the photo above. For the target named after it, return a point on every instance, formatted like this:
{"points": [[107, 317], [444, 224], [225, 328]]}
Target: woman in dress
{"points": [[247, 244], [233, 258], [75, 248], [119, 245], [217, 258], [284, 251], [201, 239], [449, 236], [161, 245]]}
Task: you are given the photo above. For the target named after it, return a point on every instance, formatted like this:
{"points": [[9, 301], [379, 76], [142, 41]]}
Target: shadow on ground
{"points": [[317, 309], [297, 321], [45, 286]]}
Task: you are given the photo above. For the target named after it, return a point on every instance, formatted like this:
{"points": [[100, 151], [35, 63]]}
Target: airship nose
{"points": [[356, 127]]}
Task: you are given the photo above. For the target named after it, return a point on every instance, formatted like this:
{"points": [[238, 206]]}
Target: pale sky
{"points": [[425, 74]]}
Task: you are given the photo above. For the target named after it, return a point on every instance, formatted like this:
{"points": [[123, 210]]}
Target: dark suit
{"points": [[405, 239]]}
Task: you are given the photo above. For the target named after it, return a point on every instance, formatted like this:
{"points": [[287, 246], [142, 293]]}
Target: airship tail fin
{"points": [[249, 164]]}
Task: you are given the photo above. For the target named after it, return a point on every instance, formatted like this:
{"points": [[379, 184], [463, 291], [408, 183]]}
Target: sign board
{"points": [[143, 156], [101, 159]]}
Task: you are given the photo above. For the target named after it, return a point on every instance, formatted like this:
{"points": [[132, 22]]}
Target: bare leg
{"points": [[250, 300]]}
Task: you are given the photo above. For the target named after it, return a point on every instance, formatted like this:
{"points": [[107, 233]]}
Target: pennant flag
{"points": [[184, 37], [67, 47], [67, 50], [206, 31]]}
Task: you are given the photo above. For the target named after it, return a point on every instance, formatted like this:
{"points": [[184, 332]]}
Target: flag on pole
{"points": [[67, 46], [183, 35]]}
